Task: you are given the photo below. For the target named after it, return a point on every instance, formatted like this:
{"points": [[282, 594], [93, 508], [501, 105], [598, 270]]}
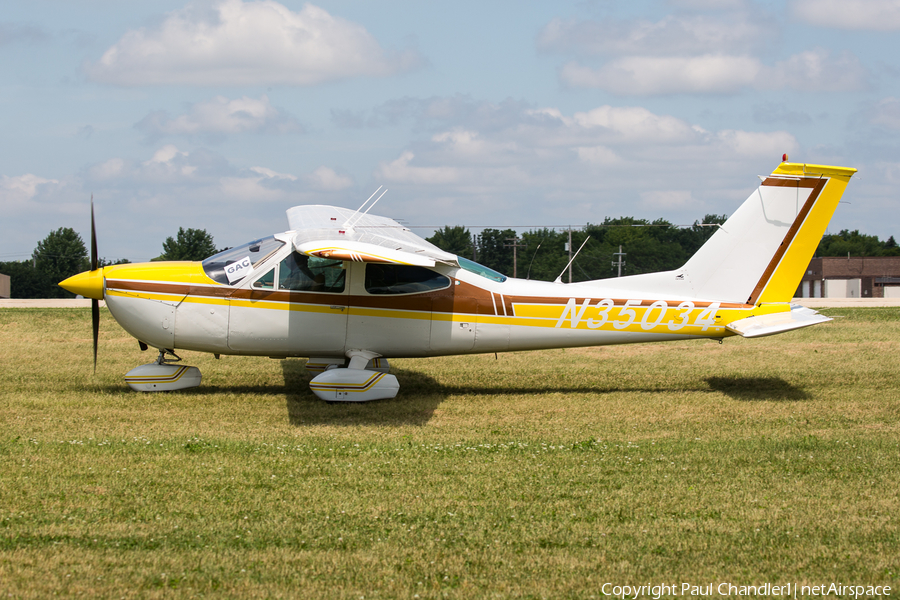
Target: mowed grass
{"points": [[543, 474]]}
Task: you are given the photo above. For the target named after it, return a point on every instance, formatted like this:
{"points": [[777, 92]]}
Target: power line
{"points": [[561, 226]]}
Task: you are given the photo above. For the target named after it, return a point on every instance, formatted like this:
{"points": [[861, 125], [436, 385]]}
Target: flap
{"points": [[361, 252], [763, 325]]}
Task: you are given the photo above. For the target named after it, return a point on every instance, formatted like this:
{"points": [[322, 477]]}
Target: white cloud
{"points": [[860, 15], [637, 125], [109, 169], [401, 171], [811, 71], [755, 144], [247, 43], [547, 166], [220, 116], [542, 166], [165, 154], [598, 155], [718, 53], [680, 35], [273, 174], [248, 191], [652, 75], [19, 191], [327, 180], [816, 71]]}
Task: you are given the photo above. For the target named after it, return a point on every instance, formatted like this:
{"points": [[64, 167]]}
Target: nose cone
{"points": [[88, 284]]}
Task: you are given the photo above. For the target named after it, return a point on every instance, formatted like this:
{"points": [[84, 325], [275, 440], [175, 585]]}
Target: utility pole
{"points": [[474, 248], [515, 245], [570, 254], [620, 263]]}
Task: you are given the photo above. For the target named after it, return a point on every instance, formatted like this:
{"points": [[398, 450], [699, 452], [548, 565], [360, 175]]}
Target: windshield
{"points": [[257, 250], [474, 267]]}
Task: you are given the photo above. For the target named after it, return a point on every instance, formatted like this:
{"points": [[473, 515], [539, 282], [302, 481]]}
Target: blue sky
{"points": [[221, 115]]}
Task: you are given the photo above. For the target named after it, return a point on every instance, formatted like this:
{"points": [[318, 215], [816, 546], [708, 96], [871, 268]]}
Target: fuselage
{"points": [[394, 311]]}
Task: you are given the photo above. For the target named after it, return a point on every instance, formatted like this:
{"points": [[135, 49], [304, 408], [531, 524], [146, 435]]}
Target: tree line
{"points": [[541, 254], [646, 247]]}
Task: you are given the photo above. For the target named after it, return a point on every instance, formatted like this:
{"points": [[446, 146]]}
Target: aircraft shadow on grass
{"points": [[422, 395], [755, 389]]}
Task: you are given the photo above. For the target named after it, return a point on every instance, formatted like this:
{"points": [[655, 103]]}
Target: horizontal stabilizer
{"points": [[763, 325]]}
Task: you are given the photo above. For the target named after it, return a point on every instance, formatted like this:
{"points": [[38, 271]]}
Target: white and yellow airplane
{"points": [[349, 290]]}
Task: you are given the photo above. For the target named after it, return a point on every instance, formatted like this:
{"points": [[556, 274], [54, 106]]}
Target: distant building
{"points": [[853, 277], [4, 286]]}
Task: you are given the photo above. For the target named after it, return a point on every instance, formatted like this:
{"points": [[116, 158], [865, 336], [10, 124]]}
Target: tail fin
{"points": [[759, 255]]}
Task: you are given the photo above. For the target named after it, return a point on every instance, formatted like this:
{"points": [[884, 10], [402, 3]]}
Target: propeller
{"points": [[95, 303]]}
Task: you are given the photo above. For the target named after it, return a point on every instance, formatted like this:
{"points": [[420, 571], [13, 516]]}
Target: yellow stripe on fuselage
{"points": [[674, 318]]}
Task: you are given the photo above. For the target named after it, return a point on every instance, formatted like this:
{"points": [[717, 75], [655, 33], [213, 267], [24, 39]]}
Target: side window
{"points": [[266, 282], [402, 279], [299, 272]]}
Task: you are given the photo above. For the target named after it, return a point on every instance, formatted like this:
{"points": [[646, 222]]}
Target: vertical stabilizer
{"points": [[759, 255]]}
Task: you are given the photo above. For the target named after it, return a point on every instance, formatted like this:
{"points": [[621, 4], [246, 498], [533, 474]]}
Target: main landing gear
{"points": [[364, 378]]}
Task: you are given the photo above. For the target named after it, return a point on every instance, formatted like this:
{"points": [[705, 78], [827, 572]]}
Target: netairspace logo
{"points": [[785, 590]]}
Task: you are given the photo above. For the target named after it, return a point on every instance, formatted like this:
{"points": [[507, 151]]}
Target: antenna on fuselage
{"points": [[528, 275], [559, 279], [348, 224]]}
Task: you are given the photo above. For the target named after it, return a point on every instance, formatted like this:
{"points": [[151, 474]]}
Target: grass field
{"points": [[532, 475]]}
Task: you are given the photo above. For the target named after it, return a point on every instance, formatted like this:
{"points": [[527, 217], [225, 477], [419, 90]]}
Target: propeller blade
{"points": [[95, 304], [93, 238], [95, 322]]}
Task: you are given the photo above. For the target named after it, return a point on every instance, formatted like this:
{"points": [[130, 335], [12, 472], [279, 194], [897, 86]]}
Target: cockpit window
{"points": [[474, 267], [403, 279], [257, 250]]}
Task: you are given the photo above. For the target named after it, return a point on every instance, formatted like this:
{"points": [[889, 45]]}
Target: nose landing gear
{"points": [[162, 376]]}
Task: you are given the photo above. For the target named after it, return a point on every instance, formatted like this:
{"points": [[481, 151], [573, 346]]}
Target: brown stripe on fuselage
{"points": [[463, 299], [816, 185]]}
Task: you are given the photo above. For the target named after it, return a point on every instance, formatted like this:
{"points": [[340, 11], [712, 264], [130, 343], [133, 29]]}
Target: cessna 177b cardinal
{"points": [[349, 290]]}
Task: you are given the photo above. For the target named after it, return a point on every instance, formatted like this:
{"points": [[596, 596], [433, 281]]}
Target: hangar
{"points": [[851, 277]]}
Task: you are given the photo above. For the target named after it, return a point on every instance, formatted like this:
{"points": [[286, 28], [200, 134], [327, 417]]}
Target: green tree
{"points": [[649, 246], [25, 281], [492, 250], [456, 240], [853, 243], [693, 238], [58, 256], [545, 255], [189, 244]]}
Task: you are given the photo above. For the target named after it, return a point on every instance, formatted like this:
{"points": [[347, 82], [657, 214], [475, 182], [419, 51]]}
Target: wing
{"points": [[340, 233]]}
